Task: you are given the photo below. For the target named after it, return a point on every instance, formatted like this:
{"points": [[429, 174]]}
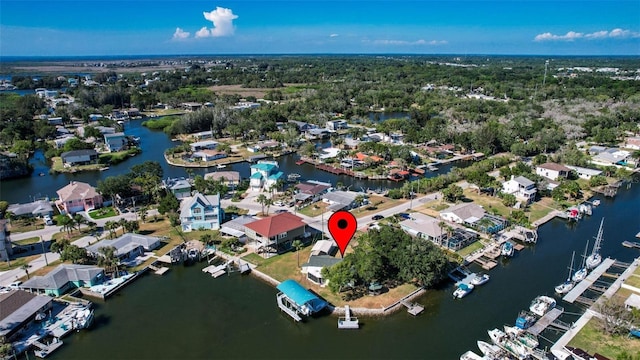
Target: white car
{"points": [[47, 220], [278, 203]]}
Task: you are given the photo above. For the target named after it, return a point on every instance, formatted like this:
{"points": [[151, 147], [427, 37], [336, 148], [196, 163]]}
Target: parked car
{"points": [[403, 215], [278, 203], [377, 217], [15, 284], [47, 220]]}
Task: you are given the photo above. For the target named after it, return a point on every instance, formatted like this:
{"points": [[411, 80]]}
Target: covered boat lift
{"points": [[295, 300]]}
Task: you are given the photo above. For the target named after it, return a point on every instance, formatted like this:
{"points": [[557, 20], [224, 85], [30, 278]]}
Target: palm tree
{"points": [[78, 220], [67, 224], [262, 200], [25, 267], [109, 226], [297, 244], [109, 259], [359, 200], [143, 213], [268, 203]]}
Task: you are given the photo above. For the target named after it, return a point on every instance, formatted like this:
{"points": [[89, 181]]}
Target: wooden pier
{"points": [[412, 308], [44, 350], [549, 319], [158, 270], [583, 285], [486, 264]]}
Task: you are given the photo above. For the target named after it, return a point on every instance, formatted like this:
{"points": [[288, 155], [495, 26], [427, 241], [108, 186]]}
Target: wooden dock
{"points": [[549, 319], [583, 285], [44, 350], [216, 270], [158, 270], [486, 264], [412, 308]]}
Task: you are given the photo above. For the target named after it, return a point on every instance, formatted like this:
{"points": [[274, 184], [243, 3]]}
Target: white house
{"points": [[425, 227], [203, 145], [333, 125], [552, 171], [523, 188], [584, 173], [264, 175], [461, 213], [209, 155]]}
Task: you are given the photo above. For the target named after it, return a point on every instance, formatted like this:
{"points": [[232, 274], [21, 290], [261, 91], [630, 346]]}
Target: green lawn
{"points": [[469, 249], [29, 241], [314, 209], [593, 340], [103, 213]]}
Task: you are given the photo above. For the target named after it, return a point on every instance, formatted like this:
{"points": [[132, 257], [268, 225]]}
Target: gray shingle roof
{"points": [[61, 275], [126, 243]]}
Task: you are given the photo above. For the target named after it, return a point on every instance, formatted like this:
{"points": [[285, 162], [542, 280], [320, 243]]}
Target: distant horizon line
{"points": [[12, 58]]}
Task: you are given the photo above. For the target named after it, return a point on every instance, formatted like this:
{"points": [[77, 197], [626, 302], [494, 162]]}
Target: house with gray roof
{"points": [[179, 187], [585, 173], [63, 278], [18, 310], [236, 227], [425, 227], [38, 208], [339, 200], [523, 188], [313, 267], [201, 212], [79, 157], [127, 246], [464, 212]]}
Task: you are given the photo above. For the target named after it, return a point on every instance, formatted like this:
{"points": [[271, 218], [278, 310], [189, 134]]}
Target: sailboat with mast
{"points": [[566, 286], [595, 258], [582, 272]]}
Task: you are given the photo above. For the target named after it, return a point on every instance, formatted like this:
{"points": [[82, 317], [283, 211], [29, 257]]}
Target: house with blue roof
{"points": [[264, 175], [201, 212]]}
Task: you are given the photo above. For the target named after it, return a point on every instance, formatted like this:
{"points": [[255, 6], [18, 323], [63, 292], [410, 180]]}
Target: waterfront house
{"points": [[611, 157], [311, 191], [208, 155], [201, 212], [264, 146], [585, 173], [275, 233], [202, 135], [64, 278], [460, 238], [78, 196], [552, 171], [179, 187], [463, 213], [115, 142], [204, 145], [313, 267], [59, 141], [343, 200], [79, 157], [317, 133], [6, 249], [229, 178], [264, 175], [18, 310], [425, 227], [191, 106], [38, 208], [127, 246], [236, 228], [523, 188]]}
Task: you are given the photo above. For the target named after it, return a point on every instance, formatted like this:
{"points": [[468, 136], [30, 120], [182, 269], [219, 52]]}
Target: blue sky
{"points": [[157, 27]]}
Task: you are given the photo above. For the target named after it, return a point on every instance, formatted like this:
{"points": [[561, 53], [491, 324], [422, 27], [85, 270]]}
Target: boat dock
{"points": [[217, 270], [412, 308], [348, 321], [158, 270], [44, 350], [583, 285], [549, 319], [287, 307]]}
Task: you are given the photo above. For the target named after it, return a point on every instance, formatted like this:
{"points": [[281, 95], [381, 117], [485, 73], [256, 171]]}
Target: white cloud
{"points": [[405, 42], [202, 33], [333, 35], [222, 19], [603, 34], [180, 34]]}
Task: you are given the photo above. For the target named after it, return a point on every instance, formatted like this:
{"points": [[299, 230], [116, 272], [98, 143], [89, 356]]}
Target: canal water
{"points": [[153, 144], [186, 314]]}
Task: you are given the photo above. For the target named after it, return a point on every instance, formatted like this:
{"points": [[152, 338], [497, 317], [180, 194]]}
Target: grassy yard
{"points": [[103, 213], [469, 249], [592, 340], [314, 209], [19, 225], [29, 241], [377, 204]]}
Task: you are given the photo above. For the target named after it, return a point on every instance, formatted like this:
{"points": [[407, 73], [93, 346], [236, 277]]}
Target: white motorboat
{"points": [[221, 166], [523, 337], [83, 318], [507, 249], [566, 286], [595, 258], [462, 290], [501, 339], [470, 355], [488, 350], [480, 279], [542, 304]]}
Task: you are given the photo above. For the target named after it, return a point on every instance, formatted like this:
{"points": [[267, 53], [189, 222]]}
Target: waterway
{"points": [[186, 314], [153, 144]]}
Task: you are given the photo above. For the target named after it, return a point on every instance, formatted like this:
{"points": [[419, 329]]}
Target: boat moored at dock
{"points": [[567, 285], [542, 304], [595, 258], [480, 279], [462, 290]]}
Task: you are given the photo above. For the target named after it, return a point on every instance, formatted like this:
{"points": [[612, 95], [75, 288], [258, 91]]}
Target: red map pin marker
{"points": [[342, 225]]}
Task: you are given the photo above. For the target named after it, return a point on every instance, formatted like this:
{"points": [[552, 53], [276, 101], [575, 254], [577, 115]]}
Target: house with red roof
{"points": [[275, 233]]}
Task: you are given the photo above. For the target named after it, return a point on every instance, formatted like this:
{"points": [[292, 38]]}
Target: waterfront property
{"points": [[425, 227], [323, 247], [203, 145], [463, 213], [343, 200], [236, 227], [79, 157], [229, 178], [78, 196], [201, 212], [115, 142], [208, 155], [275, 233], [18, 310], [310, 191], [38, 208], [63, 278], [585, 173], [523, 188], [264, 175], [313, 267], [127, 246]]}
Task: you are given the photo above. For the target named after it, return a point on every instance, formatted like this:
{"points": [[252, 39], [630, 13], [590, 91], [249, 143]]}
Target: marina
{"points": [[583, 285]]}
